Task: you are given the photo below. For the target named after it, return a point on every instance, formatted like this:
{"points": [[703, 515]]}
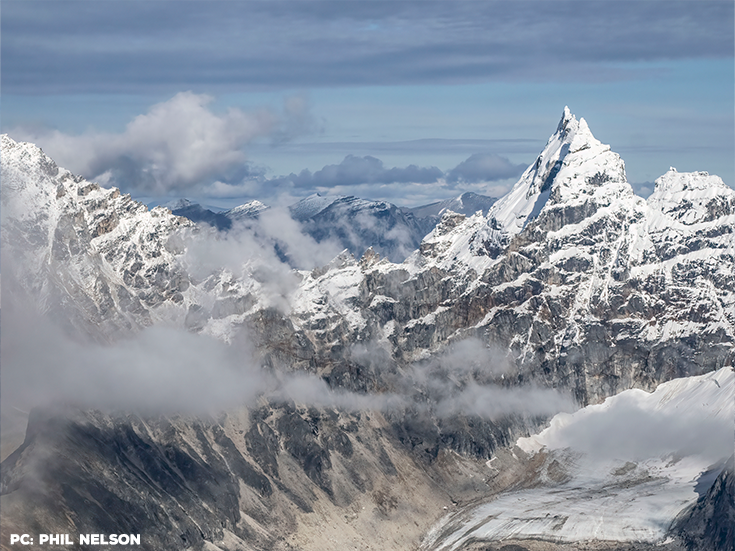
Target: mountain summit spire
{"points": [[566, 118], [572, 161], [575, 133]]}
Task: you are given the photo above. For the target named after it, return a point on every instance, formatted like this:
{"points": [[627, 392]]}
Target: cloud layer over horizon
{"points": [[182, 147]]}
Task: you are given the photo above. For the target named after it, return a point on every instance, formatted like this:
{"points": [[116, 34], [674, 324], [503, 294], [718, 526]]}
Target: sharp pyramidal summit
{"points": [[554, 372]]}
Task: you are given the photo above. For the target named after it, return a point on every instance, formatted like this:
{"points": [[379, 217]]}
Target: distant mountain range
{"points": [[355, 224], [222, 220]]}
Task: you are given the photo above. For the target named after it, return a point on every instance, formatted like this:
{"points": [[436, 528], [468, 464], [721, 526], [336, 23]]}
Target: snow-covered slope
{"points": [[358, 224], [468, 203], [246, 211], [573, 168], [618, 471], [310, 206], [88, 255], [692, 198], [98, 261]]}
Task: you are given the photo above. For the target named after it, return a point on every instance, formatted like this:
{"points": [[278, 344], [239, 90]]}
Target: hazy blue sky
{"points": [[407, 101]]}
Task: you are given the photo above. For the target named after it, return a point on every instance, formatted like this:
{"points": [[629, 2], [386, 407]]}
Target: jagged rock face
{"points": [[710, 523], [258, 479], [599, 292], [89, 255]]}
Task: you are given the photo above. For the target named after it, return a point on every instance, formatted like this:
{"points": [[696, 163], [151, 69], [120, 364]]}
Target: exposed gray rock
{"points": [[710, 523]]}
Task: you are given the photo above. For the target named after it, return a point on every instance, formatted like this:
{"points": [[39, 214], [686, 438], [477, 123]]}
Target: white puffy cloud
{"points": [[176, 146]]}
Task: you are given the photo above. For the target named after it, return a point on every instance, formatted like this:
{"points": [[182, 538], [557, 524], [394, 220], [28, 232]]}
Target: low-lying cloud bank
{"points": [[693, 416], [169, 370]]}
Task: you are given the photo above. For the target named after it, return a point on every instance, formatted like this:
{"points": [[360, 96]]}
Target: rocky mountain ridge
{"points": [[348, 222], [593, 275]]}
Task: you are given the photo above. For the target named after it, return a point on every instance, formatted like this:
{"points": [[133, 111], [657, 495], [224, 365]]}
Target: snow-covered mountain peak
{"points": [[692, 197], [84, 244], [674, 181], [312, 205], [566, 118], [20, 159], [25, 155], [178, 204], [246, 211], [9, 144], [575, 133], [573, 168]]}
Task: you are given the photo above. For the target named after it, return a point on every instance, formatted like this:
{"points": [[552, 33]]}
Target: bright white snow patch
{"points": [[638, 425], [692, 197]]}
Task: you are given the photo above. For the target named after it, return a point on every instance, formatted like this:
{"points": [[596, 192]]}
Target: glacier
{"points": [[630, 466]]}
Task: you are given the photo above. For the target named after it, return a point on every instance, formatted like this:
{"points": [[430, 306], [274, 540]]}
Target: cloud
{"points": [[168, 370], [484, 167], [165, 369], [99, 47], [275, 230], [160, 369], [297, 120], [467, 378], [367, 176], [177, 146], [262, 252], [355, 170], [181, 147], [629, 429]]}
